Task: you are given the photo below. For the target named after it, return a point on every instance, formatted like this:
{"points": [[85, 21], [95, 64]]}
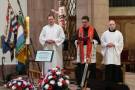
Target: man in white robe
{"points": [[112, 45], [51, 38]]}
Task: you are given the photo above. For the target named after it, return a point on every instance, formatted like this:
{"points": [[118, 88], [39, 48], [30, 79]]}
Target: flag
{"points": [[12, 34], [5, 45], [21, 52], [9, 39]]}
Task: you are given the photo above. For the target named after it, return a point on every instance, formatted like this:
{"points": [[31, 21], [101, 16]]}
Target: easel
{"points": [[32, 74]]}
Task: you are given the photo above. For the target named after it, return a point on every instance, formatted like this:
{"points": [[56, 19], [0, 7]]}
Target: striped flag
{"points": [[5, 44], [12, 35], [9, 39], [21, 54]]}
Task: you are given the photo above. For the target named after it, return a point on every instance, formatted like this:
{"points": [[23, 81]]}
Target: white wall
{"points": [[3, 11]]}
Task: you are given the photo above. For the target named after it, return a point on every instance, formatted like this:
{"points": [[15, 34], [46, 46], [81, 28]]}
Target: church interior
{"points": [[99, 12]]}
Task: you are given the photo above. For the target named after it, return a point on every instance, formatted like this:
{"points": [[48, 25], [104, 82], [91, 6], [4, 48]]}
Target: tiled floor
{"points": [[130, 80]]}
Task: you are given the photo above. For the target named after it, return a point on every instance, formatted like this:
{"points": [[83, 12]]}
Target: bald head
{"points": [[112, 25]]}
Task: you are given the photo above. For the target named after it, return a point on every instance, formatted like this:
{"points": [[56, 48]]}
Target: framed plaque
{"points": [[44, 55]]}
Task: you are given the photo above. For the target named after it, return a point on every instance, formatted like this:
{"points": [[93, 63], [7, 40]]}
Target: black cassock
{"points": [[92, 66]]}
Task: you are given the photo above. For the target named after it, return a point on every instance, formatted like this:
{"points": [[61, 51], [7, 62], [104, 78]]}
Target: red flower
{"points": [[53, 72], [40, 81], [31, 86], [58, 67], [23, 86], [50, 87], [46, 81], [19, 88], [64, 82], [61, 75], [55, 77]]}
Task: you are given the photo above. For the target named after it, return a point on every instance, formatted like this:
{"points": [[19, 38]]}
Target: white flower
{"points": [[55, 69], [10, 84], [5, 85], [28, 83], [19, 78], [50, 77], [19, 83], [58, 73], [61, 79], [46, 86], [67, 77], [52, 82], [13, 88], [59, 84], [25, 83], [14, 82], [67, 81]]}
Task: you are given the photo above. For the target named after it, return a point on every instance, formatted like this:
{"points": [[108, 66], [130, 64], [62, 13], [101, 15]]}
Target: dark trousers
{"points": [[80, 69], [113, 73]]}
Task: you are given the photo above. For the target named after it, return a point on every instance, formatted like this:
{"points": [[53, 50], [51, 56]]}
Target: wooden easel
{"points": [[33, 68]]}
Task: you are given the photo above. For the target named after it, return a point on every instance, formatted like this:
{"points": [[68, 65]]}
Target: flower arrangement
{"points": [[54, 80], [19, 84]]}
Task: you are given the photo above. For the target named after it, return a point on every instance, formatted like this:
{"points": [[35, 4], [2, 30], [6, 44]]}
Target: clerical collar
{"points": [[85, 28], [112, 30]]}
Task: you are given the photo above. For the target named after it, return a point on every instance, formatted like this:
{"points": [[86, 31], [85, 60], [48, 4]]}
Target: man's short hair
{"points": [[85, 17], [51, 15]]}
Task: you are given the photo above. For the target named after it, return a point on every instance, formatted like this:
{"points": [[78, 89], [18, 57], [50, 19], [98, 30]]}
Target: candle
{"points": [[27, 20]]}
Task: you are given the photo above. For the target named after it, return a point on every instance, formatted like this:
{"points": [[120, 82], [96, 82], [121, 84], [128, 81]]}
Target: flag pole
{"points": [[20, 7]]}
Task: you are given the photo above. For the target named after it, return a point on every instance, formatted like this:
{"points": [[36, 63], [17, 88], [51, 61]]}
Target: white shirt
{"points": [[112, 55], [55, 33], [93, 52]]}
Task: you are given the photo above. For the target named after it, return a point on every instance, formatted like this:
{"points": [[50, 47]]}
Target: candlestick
{"points": [[27, 20]]}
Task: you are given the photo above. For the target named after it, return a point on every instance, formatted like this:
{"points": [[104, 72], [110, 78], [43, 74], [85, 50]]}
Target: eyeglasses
{"points": [[84, 22]]}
